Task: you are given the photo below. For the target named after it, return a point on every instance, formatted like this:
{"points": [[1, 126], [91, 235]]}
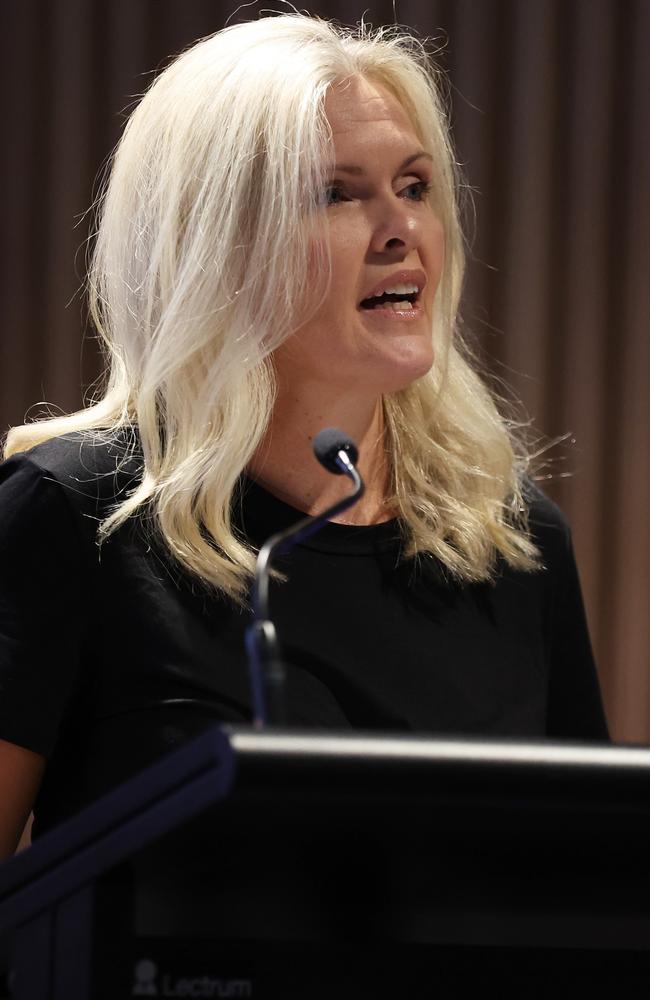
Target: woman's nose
{"points": [[395, 224]]}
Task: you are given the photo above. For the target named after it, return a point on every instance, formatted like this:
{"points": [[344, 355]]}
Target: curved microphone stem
{"points": [[267, 670]]}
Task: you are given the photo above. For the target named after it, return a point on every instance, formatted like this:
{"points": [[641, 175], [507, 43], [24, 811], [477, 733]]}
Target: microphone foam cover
{"points": [[328, 443]]}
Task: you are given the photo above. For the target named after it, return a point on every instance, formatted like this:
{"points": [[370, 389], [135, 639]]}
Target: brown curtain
{"points": [[551, 117]]}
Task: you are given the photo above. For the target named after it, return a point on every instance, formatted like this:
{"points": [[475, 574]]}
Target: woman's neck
{"points": [[285, 464]]}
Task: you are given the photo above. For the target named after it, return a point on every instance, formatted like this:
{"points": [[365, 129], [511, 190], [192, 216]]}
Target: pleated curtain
{"points": [[550, 103]]}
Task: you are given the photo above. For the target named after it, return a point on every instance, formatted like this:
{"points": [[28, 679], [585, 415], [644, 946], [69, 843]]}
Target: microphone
{"points": [[337, 453]]}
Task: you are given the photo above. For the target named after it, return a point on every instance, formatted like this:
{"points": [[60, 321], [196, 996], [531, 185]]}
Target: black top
{"points": [[111, 657]]}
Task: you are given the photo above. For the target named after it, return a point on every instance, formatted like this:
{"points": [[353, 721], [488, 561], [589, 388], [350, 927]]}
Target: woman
{"points": [[278, 251]]}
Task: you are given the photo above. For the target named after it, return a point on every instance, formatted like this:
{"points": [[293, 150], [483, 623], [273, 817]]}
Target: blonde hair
{"points": [[197, 275]]}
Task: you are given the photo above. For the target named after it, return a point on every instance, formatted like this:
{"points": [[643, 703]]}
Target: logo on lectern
{"points": [[144, 979], [145, 984]]}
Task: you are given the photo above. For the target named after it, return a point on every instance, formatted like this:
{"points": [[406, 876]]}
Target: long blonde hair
{"points": [[197, 275]]}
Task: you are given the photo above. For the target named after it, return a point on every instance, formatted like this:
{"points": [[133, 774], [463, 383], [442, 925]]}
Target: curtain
{"points": [[550, 105]]}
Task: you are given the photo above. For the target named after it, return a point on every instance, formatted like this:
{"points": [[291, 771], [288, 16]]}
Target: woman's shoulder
{"points": [[549, 526], [542, 511], [91, 468]]}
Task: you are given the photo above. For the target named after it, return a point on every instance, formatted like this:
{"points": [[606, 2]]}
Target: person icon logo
{"points": [[144, 979]]}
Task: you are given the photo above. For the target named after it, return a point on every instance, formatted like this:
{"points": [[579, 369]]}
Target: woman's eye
{"points": [[422, 189], [334, 194], [331, 193]]}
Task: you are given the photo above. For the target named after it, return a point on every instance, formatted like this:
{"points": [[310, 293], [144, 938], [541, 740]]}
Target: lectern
{"points": [[322, 864]]}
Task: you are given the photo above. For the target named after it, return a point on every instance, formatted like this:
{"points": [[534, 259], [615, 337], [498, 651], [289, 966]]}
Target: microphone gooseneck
{"points": [[337, 453]]}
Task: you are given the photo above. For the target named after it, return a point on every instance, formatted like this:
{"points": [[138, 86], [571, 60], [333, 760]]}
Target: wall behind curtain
{"points": [[550, 104]]}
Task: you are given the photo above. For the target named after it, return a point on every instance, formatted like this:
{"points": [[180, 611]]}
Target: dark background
{"points": [[550, 107]]}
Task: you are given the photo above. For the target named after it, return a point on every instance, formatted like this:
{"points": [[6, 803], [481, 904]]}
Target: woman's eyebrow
{"points": [[345, 168]]}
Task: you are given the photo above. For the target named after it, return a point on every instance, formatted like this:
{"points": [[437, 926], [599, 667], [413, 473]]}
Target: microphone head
{"points": [[328, 443]]}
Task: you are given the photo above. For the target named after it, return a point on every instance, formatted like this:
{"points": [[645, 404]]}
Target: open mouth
{"points": [[395, 301]]}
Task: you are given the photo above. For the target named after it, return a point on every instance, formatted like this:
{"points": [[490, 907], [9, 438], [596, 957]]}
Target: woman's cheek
{"points": [[316, 289], [317, 256]]}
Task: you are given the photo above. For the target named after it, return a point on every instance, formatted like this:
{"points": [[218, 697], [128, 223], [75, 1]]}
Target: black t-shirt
{"points": [[111, 657]]}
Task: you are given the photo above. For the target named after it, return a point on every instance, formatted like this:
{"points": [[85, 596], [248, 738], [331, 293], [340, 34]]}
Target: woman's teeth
{"points": [[395, 306]]}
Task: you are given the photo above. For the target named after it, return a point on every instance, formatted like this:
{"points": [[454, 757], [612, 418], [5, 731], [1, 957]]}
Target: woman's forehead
{"points": [[369, 127], [358, 101]]}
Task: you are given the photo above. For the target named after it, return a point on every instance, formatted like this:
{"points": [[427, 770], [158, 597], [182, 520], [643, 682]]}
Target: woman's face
{"points": [[381, 222]]}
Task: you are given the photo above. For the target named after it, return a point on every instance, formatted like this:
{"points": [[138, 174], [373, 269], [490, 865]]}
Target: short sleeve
{"points": [[43, 605], [575, 707]]}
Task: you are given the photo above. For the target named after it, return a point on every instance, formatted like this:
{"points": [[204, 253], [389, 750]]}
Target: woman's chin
{"points": [[401, 368]]}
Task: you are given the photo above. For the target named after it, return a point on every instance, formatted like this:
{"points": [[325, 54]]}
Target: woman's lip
{"points": [[406, 275], [401, 315]]}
